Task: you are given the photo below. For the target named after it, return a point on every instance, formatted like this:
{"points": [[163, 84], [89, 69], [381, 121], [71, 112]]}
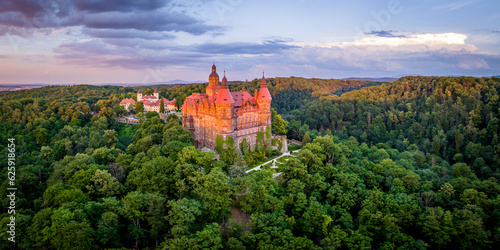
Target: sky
{"points": [[149, 41]]}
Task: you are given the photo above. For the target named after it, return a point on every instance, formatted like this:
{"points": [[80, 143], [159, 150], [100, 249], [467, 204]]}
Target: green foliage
{"points": [[139, 107], [162, 106], [182, 214], [214, 191], [410, 164], [306, 139]]}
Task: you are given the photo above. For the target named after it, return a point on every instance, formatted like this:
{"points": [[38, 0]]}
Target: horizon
{"points": [[125, 42], [184, 82]]}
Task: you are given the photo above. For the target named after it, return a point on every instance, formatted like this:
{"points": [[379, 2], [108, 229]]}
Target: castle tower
{"points": [[263, 99], [224, 105], [156, 94], [213, 82], [139, 95]]}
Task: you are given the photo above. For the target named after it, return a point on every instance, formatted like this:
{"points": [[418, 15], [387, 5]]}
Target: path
{"points": [[258, 167]]}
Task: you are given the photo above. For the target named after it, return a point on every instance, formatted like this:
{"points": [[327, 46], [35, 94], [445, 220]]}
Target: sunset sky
{"points": [[132, 41]]}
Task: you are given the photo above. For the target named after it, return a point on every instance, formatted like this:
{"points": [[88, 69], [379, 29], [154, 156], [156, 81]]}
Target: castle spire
{"points": [[224, 81], [264, 94], [224, 96]]}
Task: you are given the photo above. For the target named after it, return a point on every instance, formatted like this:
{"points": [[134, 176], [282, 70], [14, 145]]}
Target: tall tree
{"points": [[162, 106]]}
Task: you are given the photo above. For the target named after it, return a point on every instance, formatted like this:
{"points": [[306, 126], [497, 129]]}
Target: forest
{"points": [[411, 164]]}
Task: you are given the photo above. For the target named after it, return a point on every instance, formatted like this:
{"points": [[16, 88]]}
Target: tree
{"points": [[41, 135], [109, 138], [131, 108], [102, 184], [215, 193], [177, 133], [244, 146], [146, 177], [107, 232], [162, 106], [279, 125], [178, 103], [437, 225], [239, 167], [474, 151], [306, 139], [210, 237], [228, 153], [182, 214], [135, 208], [219, 144], [68, 232], [119, 110], [139, 107], [105, 155], [46, 152], [294, 130]]}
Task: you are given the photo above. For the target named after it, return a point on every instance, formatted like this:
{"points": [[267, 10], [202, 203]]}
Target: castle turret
{"points": [[263, 99], [225, 108], [139, 95], [213, 82], [156, 94]]}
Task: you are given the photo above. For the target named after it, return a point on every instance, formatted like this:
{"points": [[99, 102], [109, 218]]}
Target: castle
{"points": [[225, 113], [151, 102]]}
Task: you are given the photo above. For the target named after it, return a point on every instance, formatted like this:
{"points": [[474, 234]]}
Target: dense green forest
{"points": [[412, 164]]}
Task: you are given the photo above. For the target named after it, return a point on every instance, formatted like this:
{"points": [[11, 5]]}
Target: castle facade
{"points": [[225, 113]]}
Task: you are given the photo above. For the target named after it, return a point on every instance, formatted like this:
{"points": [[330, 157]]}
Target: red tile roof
{"points": [[241, 97], [127, 101], [224, 96]]}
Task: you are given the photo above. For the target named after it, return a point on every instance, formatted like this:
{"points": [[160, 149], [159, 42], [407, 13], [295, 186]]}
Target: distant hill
{"points": [[16, 86], [381, 79], [178, 81]]}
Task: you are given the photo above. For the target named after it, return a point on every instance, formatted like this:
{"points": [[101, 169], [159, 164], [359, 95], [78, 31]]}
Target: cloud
{"points": [[412, 53], [139, 53], [26, 8], [125, 53], [400, 53], [472, 63], [384, 33], [127, 33], [152, 15], [455, 5], [119, 5], [148, 21], [266, 47]]}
